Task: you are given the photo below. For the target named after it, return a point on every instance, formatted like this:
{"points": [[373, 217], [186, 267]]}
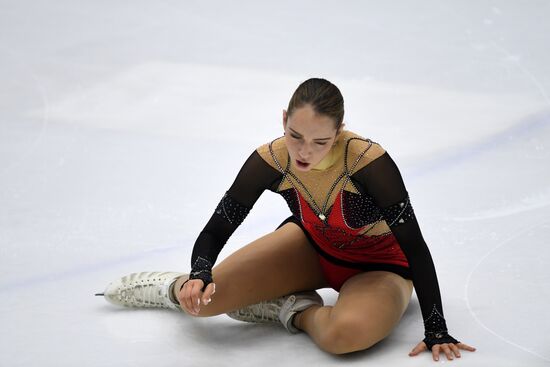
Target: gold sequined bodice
{"points": [[321, 185]]}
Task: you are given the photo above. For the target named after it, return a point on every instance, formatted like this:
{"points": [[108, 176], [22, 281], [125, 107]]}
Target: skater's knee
{"points": [[345, 336]]}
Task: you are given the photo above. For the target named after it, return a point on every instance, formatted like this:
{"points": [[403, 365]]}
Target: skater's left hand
{"points": [[191, 295], [447, 348]]}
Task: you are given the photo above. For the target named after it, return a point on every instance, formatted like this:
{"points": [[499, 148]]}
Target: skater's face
{"points": [[309, 136]]}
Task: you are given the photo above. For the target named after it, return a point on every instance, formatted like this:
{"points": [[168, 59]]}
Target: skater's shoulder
{"points": [[360, 150], [274, 152]]}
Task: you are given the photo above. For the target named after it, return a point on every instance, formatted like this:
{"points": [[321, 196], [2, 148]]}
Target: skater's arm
{"points": [[382, 180], [253, 178]]}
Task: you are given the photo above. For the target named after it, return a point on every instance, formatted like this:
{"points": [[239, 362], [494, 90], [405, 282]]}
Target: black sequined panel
{"points": [[231, 210], [398, 213], [359, 210], [292, 201]]}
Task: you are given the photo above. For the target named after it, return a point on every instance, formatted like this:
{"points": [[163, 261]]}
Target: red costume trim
{"points": [[339, 240]]}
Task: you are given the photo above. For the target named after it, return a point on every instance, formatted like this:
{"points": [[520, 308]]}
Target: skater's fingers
{"points": [[420, 347], [187, 294], [181, 292], [447, 351], [466, 347], [455, 350], [187, 297], [182, 296], [435, 352], [196, 295], [208, 292], [190, 296]]}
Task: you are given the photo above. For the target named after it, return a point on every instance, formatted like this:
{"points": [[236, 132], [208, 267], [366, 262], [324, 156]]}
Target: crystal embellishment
{"points": [[398, 213]]}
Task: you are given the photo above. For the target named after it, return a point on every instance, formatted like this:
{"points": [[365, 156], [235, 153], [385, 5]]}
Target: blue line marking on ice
{"points": [[84, 269], [458, 155]]}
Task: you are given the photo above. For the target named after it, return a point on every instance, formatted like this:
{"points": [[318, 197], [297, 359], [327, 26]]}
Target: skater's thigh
{"points": [[274, 265]]}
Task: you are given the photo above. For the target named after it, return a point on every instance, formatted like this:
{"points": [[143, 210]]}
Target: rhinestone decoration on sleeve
{"points": [[435, 323], [231, 210], [398, 213], [436, 330], [202, 269]]}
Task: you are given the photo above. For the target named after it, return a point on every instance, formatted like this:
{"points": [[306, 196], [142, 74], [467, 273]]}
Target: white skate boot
{"points": [[145, 289], [280, 310]]}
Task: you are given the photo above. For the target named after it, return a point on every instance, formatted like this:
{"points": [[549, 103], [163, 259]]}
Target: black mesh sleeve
{"points": [[254, 177], [382, 180]]}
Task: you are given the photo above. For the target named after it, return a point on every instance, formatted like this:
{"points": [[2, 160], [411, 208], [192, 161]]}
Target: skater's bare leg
{"points": [[277, 264], [368, 308]]}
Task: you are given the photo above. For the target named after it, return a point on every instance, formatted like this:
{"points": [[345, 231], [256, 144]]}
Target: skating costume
{"points": [[354, 209]]}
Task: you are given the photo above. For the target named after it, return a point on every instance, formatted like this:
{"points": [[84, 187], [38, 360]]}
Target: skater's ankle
{"points": [[175, 288], [295, 320], [171, 293], [298, 318]]}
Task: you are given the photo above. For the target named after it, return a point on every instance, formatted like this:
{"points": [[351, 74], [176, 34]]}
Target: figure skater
{"points": [[352, 228]]}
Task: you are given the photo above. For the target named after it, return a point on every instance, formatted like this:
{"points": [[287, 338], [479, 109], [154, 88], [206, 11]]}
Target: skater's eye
{"points": [[297, 135]]}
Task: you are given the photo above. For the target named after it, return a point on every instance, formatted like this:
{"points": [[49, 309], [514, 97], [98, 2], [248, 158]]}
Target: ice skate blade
{"points": [[100, 294]]}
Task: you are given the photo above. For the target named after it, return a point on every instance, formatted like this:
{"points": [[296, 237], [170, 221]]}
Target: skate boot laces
{"points": [[145, 289]]}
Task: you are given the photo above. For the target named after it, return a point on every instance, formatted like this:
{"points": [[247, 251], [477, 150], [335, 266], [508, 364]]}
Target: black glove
{"points": [[202, 269], [432, 339]]}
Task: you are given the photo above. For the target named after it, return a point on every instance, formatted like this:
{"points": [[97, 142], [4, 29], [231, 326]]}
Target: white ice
{"points": [[112, 115]]}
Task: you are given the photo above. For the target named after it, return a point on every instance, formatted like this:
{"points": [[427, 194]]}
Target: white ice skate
{"points": [[280, 310], [145, 289]]}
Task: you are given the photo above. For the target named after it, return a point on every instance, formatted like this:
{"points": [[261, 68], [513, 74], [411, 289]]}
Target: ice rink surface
{"points": [[123, 123]]}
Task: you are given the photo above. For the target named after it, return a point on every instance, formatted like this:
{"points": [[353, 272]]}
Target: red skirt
{"points": [[338, 271]]}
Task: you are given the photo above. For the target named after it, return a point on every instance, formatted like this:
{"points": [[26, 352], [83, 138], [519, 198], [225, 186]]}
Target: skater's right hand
{"points": [[190, 295]]}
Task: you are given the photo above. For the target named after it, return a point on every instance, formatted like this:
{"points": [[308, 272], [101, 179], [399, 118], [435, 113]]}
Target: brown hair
{"points": [[323, 96]]}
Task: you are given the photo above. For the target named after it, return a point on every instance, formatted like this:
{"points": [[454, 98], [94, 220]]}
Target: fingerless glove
{"points": [[432, 339], [201, 269]]}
